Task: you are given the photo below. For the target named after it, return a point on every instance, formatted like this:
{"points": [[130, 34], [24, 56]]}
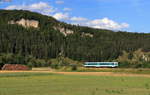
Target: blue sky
{"points": [[127, 15]]}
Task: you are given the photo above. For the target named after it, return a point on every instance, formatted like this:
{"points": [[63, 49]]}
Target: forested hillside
{"points": [[53, 38]]}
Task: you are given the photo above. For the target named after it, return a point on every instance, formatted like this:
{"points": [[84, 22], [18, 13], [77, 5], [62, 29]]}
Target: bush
{"points": [[55, 66], [38, 63], [145, 65], [124, 64], [134, 65], [1, 65], [30, 65], [74, 67]]}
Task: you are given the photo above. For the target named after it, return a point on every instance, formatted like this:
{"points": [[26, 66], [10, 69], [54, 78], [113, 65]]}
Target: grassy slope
{"points": [[53, 84]]}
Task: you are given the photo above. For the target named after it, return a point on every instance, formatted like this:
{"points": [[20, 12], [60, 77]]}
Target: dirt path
{"points": [[26, 71], [87, 73]]}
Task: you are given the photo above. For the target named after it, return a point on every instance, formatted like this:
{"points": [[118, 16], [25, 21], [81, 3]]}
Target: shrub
{"points": [[38, 63], [74, 67], [145, 65], [1, 63], [55, 66], [124, 64]]}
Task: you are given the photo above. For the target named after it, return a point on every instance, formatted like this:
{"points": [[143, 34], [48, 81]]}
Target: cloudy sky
{"points": [[126, 15]]}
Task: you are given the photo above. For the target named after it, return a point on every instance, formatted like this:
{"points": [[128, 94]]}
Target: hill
{"points": [[43, 37]]}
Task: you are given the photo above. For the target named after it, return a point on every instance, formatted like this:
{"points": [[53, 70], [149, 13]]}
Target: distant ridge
{"points": [[49, 38]]}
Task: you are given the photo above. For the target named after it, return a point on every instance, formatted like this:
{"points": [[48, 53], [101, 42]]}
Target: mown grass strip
{"points": [[24, 74]]}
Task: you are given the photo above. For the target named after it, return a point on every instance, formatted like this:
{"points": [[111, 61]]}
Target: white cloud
{"points": [[59, 2], [45, 8], [78, 19], [67, 9], [61, 16], [104, 23], [41, 7]]}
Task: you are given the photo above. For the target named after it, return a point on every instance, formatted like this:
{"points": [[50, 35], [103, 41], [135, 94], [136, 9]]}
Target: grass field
{"points": [[115, 70], [29, 83]]}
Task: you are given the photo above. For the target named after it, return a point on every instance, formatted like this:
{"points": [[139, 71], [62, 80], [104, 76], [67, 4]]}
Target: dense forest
{"points": [[46, 42]]}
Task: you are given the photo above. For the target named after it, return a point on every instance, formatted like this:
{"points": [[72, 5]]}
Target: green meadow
{"points": [[57, 84]]}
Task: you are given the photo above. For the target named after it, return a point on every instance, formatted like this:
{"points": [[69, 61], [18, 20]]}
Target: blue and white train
{"points": [[101, 64]]}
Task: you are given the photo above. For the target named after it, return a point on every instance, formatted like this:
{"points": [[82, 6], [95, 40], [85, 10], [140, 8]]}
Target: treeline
{"points": [[19, 59], [46, 43], [56, 63]]}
